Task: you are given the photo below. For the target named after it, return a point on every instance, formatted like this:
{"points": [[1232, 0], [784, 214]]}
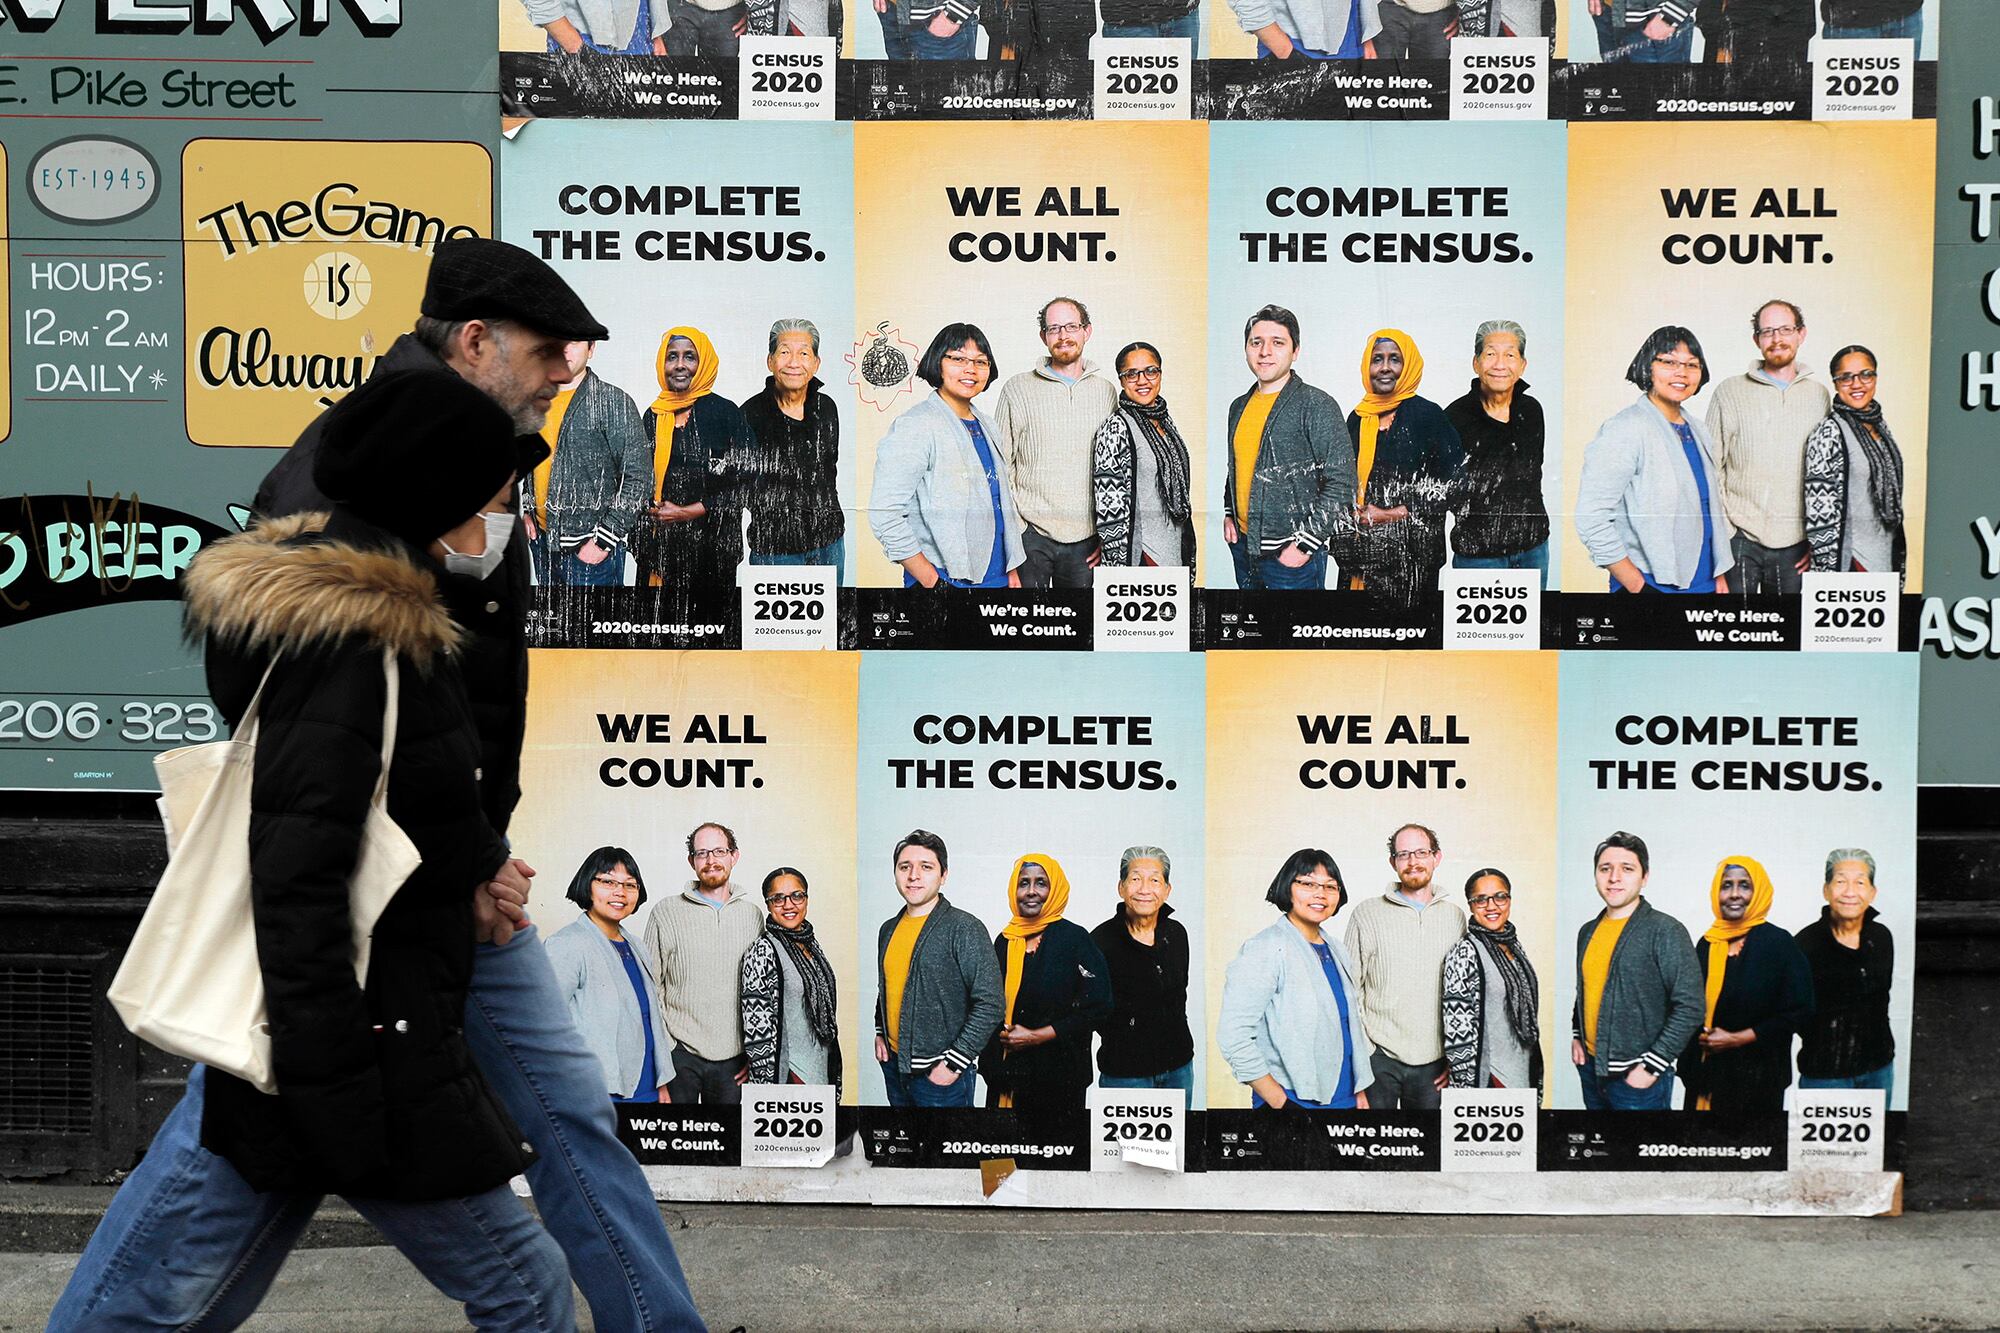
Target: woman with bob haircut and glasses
{"points": [[942, 504], [614, 998], [1649, 507], [1290, 1025]]}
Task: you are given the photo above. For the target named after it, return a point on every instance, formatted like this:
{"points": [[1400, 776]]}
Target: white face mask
{"points": [[499, 527]]}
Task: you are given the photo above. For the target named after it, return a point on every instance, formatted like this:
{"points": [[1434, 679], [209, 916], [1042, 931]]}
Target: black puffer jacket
{"points": [[377, 1095], [493, 610]]}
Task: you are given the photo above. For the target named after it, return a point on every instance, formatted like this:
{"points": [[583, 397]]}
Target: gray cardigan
{"points": [[602, 472], [1303, 488], [606, 22], [955, 995], [930, 495], [601, 1004], [1279, 1016], [1637, 498], [1653, 994]]}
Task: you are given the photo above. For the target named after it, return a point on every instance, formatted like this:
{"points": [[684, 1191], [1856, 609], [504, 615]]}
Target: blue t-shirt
{"points": [[1704, 568], [649, 1072]]}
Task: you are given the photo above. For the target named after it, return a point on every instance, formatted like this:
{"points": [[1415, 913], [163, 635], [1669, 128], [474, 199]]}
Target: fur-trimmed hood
{"points": [[266, 590]]}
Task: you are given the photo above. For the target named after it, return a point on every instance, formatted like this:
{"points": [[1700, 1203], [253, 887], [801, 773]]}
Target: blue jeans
{"points": [[1615, 1094], [961, 45], [570, 572], [1268, 572], [833, 553], [1182, 1078], [1883, 1078], [187, 1240], [1535, 558], [200, 1237], [1632, 45], [917, 1089], [1188, 26], [1910, 26]]}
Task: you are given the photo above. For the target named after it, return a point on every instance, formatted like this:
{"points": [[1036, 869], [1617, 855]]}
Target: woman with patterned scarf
{"points": [[1854, 476], [791, 1027], [1759, 992], [1140, 471], [1058, 992], [1492, 1001], [691, 535]]}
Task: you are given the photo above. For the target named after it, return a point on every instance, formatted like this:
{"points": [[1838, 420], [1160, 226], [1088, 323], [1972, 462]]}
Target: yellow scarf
{"points": [[670, 403], [1020, 928], [552, 432], [1373, 406], [1723, 933]]}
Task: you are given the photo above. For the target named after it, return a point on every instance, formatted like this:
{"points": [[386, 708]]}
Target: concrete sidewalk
{"points": [[825, 1268]]}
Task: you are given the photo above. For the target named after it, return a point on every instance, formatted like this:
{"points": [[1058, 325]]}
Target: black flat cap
{"points": [[476, 278], [417, 452]]}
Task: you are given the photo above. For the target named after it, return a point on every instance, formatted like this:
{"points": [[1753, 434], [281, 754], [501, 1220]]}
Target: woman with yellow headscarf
{"points": [[1408, 464], [1057, 992], [1758, 992], [690, 533]]}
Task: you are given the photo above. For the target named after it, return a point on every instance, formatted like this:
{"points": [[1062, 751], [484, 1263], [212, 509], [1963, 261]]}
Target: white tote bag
{"points": [[190, 982]]}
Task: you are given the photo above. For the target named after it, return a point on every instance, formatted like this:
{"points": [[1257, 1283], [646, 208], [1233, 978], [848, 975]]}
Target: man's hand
{"points": [[1596, 7], [1657, 29], [1292, 556], [1229, 533], [941, 25], [881, 1051], [1577, 1055], [1639, 1078], [591, 553], [949, 1075]]}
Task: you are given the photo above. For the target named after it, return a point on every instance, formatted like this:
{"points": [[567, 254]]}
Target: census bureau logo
{"points": [[338, 285]]}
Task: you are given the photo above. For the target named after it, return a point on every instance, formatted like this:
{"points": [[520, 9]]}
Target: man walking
{"points": [[696, 942], [186, 1237], [1760, 420], [1048, 418], [939, 997], [1398, 942], [1638, 989]]}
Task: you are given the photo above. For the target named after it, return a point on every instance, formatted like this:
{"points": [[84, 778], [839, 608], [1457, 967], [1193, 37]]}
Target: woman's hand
{"points": [[1269, 1090], [660, 49], [1719, 1039], [1361, 1101], [1628, 575], [1722, 583], [1017, 1038], [668, 512], [1292, 556], [564, 34], [1374, 516], [1013, 578], [1279, 43], [666, 1098]]}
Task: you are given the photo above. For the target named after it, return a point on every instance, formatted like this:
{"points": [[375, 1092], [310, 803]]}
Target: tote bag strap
{"points": [[246, 725], [392, 678]]}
